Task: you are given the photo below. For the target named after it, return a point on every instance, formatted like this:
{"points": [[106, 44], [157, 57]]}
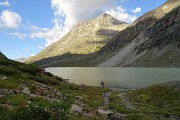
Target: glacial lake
{"points": [[117, 77]]}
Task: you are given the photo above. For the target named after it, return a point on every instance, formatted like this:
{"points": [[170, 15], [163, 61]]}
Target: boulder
{"points": [[17, 91], [33, 95], [29, 102], [76, 109], [26, 90], [106, 113], [4, 78], [119, 116]]}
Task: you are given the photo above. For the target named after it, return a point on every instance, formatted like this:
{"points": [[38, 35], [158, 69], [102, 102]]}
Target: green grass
{"points": [[92, 96], [15, 105], [117, 104], [139, 117], [39, 101], [8, 84], [94, 117], [17, 100], [8, 70], [159, 99], [36, 113], [38, 110]]}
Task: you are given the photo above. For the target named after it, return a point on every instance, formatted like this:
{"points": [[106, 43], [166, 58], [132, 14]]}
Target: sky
{"points": [[28, 27]]}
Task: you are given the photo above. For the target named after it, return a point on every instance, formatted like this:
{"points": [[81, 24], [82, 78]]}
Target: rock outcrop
{"points": [[76, 109]]}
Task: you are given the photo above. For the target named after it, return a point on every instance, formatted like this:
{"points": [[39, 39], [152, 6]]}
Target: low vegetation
{"points": [[28, 95], [35, 106], [159, 99], [155, 102]]}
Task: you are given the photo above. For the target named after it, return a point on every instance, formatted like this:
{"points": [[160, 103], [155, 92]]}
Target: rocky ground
{"points": [[160, 102]]}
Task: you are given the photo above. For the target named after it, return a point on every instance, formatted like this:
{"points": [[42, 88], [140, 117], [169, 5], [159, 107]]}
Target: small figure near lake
{"points": [[83, 86], [102, 84], [66, 80]]}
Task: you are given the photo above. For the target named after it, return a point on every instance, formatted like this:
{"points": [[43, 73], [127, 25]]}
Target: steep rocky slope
{"points": [[84, 38], [156, 46]]}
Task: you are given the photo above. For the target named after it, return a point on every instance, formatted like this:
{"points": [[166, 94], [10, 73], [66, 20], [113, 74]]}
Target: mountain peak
{"points": [[108, 19], [85, 38], [105, 15]]}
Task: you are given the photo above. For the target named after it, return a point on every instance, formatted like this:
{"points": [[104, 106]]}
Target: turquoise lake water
{"points": [[117, 77]]}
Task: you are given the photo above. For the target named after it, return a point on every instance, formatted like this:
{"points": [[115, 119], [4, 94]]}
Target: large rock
{"points": [[106, 113], [76, 109], [119, 116], [26, 90], [4, 78]]}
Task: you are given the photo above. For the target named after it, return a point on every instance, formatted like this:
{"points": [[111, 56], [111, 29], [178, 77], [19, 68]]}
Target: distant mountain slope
{"points": [[23, 60], [86, 37]]}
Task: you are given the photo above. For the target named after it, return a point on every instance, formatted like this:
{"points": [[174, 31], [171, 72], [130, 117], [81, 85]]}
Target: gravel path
{"points": [[125, 100], [106, 99]]}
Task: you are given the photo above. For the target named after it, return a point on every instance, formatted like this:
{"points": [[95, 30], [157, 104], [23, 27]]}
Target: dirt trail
{"points": [[122, 96], [126, 101]]}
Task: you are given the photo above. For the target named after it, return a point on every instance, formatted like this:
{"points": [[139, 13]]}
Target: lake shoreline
{"points": [[131, 78]]}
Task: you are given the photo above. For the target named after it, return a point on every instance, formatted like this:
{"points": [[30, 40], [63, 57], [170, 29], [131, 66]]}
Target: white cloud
{"points": [[18, 35], [121, 14], [51, 35], [137, 10], [32, 55], [9, 20], [75, 11], [40, 47], [5, 3]]}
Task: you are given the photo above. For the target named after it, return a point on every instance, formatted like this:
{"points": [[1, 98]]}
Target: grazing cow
{"points": [[102, 84]]}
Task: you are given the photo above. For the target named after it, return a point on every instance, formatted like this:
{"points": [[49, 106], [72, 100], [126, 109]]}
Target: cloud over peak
{"points": [[68, 13], [121, 14]]}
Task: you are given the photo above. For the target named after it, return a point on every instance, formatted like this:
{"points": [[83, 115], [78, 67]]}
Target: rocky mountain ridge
{"points": [[86, 37]]}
